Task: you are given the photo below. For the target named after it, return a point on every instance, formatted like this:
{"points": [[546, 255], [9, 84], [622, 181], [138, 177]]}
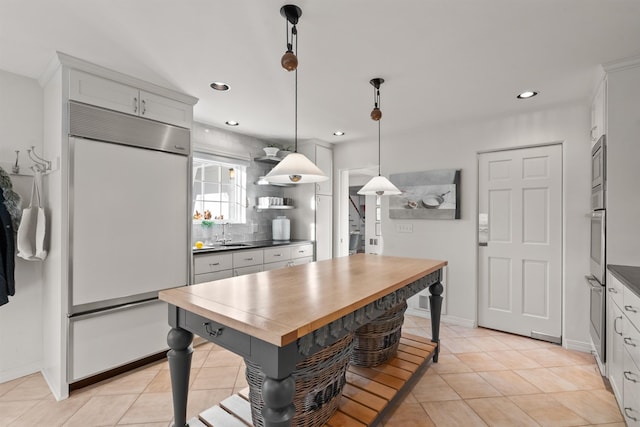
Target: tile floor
{"points": [[483, 378]]}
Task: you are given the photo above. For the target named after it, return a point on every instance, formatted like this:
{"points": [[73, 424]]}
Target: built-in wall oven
{"points": [[597, 270]]}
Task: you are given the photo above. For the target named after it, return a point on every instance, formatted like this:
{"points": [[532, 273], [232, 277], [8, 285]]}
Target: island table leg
{"points": [[278, 410], [179, 358], [435, 304]]}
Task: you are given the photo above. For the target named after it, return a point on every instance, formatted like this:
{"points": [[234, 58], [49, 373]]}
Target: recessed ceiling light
{"points": [[219, 86], [206, 130], [338, 133], [527, 94], [232, 123]]}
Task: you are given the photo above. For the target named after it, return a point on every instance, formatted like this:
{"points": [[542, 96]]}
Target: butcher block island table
{"points": [[292, 326]]}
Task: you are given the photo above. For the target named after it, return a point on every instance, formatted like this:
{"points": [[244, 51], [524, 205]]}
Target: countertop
{"points": [[628, 275], [234, 246], [280, 306]]}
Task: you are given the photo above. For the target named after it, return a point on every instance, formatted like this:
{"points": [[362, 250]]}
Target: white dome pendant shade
{"points": [[295, 168], [378, 185]]}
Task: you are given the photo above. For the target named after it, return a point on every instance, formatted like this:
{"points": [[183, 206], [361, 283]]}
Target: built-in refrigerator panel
{"points": [[129, 237]]}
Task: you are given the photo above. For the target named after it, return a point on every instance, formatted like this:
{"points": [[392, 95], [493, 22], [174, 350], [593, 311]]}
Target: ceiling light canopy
{"points": [[295, 168], [378, 185], [527, 94], [338, 133], [219, 86], [231, 123]]}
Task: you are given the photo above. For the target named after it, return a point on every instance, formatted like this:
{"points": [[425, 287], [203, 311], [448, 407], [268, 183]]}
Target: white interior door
{"points": [[520, 235]]}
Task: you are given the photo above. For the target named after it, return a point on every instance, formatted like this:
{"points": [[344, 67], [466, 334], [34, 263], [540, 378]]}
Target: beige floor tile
{"points": [[431, 388], [160, 424], [102, 411], [452, 413], [517, 342], [480, 362], [597, 406], [10, 411], [547, 411], [584, 377], [470, 385], [201, 400], [222, 358], [463, 331], [513, 359], [149, 407], [162, 381], [546, 380], [416, 331], [449, 363], [500, 412], [33, 387], [408, 415], [557, 356], [620, 424], [130, 383], [6, 386], [488, 343], [459, 345], [445, 332], [50, 413], [241, 379], [509, 383], [410, 398], [213, 378]]}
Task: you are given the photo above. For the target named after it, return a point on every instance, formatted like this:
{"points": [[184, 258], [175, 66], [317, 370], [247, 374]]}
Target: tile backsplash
{"points": [[258, 226]]}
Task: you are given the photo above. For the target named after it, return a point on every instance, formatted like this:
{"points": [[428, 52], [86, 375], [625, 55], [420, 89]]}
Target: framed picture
{"points": [[426, 195]]}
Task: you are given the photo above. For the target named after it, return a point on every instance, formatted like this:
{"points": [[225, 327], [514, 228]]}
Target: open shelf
{"points": [[274, 207]]}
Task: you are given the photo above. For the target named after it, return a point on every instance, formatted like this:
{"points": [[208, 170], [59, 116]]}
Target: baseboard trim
{"points": [[21, 371], [58, 394], [585, 347]]}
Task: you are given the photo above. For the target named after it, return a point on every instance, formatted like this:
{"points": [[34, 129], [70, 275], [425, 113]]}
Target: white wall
{"points": [[456, 146], [21, 112]]}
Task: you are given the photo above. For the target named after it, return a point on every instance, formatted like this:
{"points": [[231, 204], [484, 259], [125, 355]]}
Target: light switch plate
{"points": [[404, 228]]}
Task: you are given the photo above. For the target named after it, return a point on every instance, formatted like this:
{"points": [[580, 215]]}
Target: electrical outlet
{"points": [[404, 228]]}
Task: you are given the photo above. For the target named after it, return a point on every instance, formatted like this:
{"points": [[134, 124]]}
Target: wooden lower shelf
{"points": [[366, 398]]}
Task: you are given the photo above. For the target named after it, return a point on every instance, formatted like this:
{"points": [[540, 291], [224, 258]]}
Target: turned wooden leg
{"points": [[435, 303], [278, 410], [179, 357]]}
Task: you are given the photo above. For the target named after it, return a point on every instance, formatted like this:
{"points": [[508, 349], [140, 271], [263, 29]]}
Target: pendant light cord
{"points": [[295, 32], [379, 156]]}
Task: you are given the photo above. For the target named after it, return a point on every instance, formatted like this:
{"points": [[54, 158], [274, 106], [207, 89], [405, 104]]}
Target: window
{"points": [[219, 189]]}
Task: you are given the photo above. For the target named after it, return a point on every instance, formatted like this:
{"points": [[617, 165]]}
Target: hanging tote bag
{"points": [[32, 229]]}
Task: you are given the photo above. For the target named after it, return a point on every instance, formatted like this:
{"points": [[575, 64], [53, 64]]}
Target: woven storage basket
{"points": [[319, 382], [377, 341]]}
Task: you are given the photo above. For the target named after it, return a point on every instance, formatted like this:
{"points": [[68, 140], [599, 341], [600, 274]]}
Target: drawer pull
{"points": [[300, 252], [626, 412], [628, 341], [212, 332], [630, 308], [277, 254], [249, 259], [628, 378], [614, 325], [613, 290], [214, 263]]}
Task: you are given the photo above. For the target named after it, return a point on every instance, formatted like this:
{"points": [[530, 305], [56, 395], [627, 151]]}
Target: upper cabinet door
{"points": [[94, 90], [324, 160], [599, 113], [165, 110]]}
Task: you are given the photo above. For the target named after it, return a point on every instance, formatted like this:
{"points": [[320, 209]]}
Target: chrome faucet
{"points": [[224, 239]]}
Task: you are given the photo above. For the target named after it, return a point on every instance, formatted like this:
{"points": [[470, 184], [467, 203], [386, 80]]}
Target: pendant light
{"points": [[295, 168], [378, 185]]}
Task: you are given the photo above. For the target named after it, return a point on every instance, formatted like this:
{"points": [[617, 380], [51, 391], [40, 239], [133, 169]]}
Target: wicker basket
{"points": [[319, 382], [377, 341]]}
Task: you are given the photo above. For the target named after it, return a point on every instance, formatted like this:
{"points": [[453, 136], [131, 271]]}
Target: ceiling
{"points": [[444, 61]]}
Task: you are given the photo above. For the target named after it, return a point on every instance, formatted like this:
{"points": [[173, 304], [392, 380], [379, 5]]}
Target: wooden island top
{"points": [[280, 306]]}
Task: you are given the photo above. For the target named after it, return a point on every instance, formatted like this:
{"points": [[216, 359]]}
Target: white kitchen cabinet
{"points": [[301, 261], [241, 271], [277, 254], [248, 258], [106, 340], [276, 265], [302, 251], [631, 403], [102, 92], [615, 346], [210, 277], [598, 112], [324, 227], [324, 160]]}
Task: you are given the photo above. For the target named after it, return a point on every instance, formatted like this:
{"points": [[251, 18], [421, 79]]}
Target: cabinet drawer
{"points": [[277, 254], [247, 258], [300, 261], [631, 307], [210, 277], [615, 290], [302, 251], [209, 263], [215, 332], [105, 340], [631, 393], [276, 265], [241, 271], [631, 338]]}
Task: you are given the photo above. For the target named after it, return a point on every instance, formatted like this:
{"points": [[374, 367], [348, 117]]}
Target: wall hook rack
{"points": [[40, 164]]}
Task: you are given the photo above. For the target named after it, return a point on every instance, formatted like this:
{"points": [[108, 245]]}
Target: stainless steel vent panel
{"points": [[96, 123]]}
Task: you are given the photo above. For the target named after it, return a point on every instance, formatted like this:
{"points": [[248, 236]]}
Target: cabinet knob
{"points": [[613, 290], [213, 263], [135, 104], [277, 254], [249, 259], [628, 341], [627, 411], [627, 376], [630, 308], [144, 106]]}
